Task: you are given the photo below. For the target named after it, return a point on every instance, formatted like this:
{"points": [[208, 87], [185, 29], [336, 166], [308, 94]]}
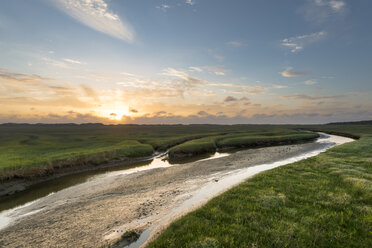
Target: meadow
{"points": [[323, 201], [28, 150]]}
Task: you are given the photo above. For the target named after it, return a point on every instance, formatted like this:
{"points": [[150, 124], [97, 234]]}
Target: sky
{"points": [[185, 61]]}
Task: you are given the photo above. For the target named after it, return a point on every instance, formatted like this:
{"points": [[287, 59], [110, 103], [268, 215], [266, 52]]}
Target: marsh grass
{"points": [[323, 201], [33, 150], [239, 140]]}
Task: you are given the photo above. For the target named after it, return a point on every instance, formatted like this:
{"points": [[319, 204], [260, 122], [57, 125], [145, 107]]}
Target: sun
{"points": [[114, 114], [117, 115]]}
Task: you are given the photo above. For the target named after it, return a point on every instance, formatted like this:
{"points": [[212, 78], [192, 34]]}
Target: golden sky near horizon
{"points": [[209, 61]]}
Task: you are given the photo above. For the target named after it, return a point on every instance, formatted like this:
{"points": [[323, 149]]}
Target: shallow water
{"points": [[42, 189], [15, 203]]}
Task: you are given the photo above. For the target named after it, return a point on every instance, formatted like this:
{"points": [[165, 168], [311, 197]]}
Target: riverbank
{"points": [[323, 201], [16, 185], [231, 141], [89, 213], [35, 150], [129, 152]]}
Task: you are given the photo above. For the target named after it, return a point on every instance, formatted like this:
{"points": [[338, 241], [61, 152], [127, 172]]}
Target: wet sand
{"points": [[98, 211]]}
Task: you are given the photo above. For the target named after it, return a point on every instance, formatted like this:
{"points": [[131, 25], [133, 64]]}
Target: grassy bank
{"points": [[324, 201], [239, 140], [32, 150]]}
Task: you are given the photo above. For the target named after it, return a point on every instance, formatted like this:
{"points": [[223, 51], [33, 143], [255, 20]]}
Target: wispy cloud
{"points": [[190, 2], [334, 5], [96, 15], [305, 97], [232, 99], [311, 82], [319, 11], [35, 90], [235, 43], [186, 79], [277, 86], [218, 70], [21, 77], [163, 7], [297, 43], [289, 73], [248, 89], [73, 61], [194, 68]]}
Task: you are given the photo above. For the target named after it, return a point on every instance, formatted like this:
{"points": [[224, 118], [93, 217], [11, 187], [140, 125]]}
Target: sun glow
{"points": [[114, 114]]}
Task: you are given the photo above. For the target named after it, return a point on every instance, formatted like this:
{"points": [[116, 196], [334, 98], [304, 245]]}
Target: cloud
{"points": [[276, 86], [163, 7], [319, 11], [253, 90], [310, 82], [203, 113], [21, 77], [56, 63], [190, 2], [187, 81], [243, 99], [311, 98], [235, 43], [96, 15], [18, 89], [230, 99], [89, 92], [193, 68], [289, 73], [241, 89], [162, 112], [72, 61], [334, 5], [218, 70], [297, 43]]}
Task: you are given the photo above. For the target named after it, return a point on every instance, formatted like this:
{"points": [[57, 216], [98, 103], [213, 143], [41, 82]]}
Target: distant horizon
{"points": [[185, 61], [182, 124]]}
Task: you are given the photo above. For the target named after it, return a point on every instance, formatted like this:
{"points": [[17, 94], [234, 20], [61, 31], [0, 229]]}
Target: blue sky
{"points": [[182, 61]]}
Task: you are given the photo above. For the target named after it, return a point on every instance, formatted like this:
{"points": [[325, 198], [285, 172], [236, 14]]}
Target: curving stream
{"points": [[234, 178], [14, 203], [102, 186]]}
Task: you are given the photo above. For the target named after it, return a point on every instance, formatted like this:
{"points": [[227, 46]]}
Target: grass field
{"points": [[240, 140], [324, 201], [30, 150]]}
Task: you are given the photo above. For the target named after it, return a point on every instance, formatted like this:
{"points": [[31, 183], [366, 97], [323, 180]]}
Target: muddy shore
{"points": [[89, 214], [15, 185]]}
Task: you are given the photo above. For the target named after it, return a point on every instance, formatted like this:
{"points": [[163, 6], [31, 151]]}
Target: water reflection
{"points": [[43, 189]]}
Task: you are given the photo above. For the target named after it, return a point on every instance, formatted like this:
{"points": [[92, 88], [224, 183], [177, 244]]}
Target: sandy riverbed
{"points": [[86, 215]]}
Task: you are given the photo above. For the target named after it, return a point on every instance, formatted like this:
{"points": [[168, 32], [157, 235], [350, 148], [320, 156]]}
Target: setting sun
{"points": [[115, 113]]}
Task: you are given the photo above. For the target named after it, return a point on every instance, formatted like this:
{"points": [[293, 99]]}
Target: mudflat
{"points": [[99, 211]]}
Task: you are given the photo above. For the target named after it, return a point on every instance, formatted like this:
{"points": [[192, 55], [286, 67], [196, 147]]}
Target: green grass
{"points": [[29, 150], [239, 140], [324, 201]]}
